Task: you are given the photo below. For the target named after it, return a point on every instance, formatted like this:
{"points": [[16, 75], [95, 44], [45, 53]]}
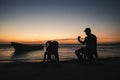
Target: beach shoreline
{"points": [[108, 68]]}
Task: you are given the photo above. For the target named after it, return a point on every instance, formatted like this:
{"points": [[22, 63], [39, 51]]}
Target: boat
{"points": [[25, 47]]}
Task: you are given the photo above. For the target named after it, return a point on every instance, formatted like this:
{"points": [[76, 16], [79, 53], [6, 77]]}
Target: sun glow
{"points": [[37, 22]]}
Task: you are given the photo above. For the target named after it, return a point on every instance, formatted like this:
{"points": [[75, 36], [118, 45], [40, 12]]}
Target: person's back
{"points": [[91, 45], [53, 47], [91, 42]]}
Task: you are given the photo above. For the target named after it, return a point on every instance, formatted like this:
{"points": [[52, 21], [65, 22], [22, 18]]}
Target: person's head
{"points": [[87, 31]]}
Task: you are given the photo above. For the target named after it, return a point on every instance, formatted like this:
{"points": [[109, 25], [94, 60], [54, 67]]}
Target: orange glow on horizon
{"points": [[61, 36], [61, 41]]}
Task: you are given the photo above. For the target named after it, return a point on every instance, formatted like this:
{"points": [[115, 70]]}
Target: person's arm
{"points": [[83, 42]]}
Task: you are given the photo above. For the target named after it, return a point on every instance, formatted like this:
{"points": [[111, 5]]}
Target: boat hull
{"points": [[23, 47]]}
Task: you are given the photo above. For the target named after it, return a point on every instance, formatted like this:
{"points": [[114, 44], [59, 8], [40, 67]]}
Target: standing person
{"points": [[90, 50]]}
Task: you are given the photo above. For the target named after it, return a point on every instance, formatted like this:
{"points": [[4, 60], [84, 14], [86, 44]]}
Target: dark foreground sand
{"points": [[106, 69]]}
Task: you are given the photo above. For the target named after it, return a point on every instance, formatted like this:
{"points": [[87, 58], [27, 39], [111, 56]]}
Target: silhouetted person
{"points": [[51, 51], [55, 50], [47, 54], [90, 50]]}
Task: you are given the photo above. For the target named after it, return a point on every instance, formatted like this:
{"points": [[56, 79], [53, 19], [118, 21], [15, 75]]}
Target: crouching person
{"points": [[90, 50], [51, 53]]}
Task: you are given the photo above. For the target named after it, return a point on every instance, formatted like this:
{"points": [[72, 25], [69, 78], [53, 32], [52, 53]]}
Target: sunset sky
{"points": [[62, 20]]}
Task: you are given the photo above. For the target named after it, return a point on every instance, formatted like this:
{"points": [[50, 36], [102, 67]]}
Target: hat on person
{"points": [[87, 30]]}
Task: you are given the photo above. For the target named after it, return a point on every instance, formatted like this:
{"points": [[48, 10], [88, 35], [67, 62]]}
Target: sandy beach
{"points": [[106, 69]]}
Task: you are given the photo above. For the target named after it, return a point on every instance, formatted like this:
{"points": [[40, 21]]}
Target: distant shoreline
{"points": [[3, 44]]}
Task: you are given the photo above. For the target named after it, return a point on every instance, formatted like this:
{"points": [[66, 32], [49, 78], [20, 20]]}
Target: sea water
{"points": [[66, 52]]}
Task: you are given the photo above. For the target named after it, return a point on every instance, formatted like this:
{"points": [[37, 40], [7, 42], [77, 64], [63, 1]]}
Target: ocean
{"points": [[66, 52]]}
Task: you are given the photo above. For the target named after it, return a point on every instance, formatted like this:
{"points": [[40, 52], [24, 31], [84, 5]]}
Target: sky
{"points": [[62, 20]]}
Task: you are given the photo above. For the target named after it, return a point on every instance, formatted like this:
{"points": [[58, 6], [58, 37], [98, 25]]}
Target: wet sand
{"points": [[106, 69]]}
